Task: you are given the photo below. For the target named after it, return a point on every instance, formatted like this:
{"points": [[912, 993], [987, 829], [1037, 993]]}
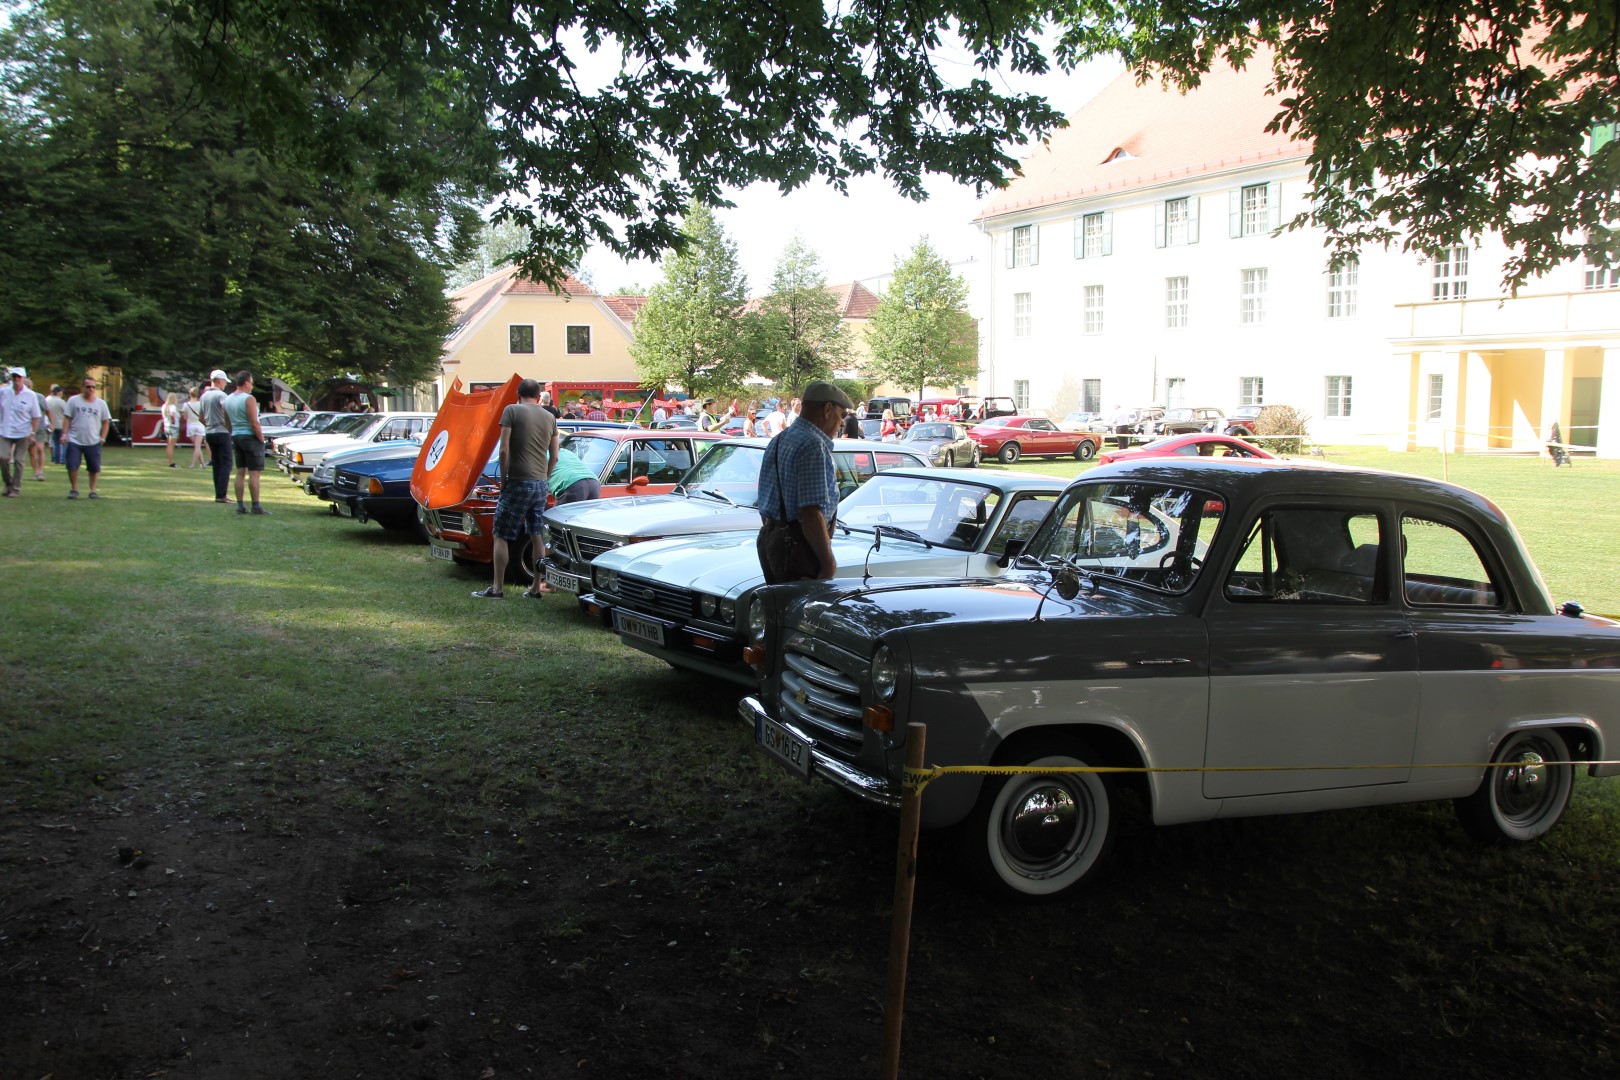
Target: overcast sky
{"points": [[861, 235]]}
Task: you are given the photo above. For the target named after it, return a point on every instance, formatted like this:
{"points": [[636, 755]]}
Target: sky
{"points": [[861, 235]]}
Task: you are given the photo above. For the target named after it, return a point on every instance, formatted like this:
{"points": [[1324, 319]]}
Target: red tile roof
{"points": [[625, 307], [1165, 136], [470, 301], [855, 301]]}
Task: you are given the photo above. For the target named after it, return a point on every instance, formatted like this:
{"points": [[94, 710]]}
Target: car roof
{"points": [[622, 434], [1001, 480]]}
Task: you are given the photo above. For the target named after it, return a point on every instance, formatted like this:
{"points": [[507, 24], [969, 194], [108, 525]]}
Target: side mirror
{"points": [[638, 482], [1013, 549]]}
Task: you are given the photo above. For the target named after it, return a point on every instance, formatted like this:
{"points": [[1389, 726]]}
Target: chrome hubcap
{"points": [[1044, 827]]}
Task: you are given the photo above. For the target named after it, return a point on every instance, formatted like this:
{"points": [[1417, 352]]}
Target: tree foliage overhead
{"points": [[692, 330], [799, 335], [921, 334], [1432, 121]]}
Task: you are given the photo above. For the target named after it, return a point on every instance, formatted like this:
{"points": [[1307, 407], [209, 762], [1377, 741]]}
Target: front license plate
{"points": [[561, 581], [784, 746], [637, 627], [347, 511], [441, 553]]}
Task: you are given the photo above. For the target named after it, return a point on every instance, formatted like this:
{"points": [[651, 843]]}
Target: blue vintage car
{"points": [[1243, 637], [378, 488]]}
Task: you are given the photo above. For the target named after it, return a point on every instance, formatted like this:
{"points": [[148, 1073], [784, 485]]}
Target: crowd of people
{"points": [[74, 428]]}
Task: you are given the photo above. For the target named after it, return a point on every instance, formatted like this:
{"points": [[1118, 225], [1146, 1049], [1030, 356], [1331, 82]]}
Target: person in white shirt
{"points": [[36, 445], [56, 414], [775, 421], [20, 420], [660, 414]]}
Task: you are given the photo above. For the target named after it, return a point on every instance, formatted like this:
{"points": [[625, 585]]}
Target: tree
{"points": [[799, 334], [499, 244], [921, 334], [691, 330]]}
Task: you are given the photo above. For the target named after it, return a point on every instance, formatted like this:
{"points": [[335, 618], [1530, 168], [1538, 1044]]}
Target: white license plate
{"points": [[345, 510], [637, 627], [784, 746], [562, 581], [441, 553]]}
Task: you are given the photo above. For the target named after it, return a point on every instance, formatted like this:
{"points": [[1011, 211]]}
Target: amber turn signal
{"points": [[880, 718], [753, 655]]}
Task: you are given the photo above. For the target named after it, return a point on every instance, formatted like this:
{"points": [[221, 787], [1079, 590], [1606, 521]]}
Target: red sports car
{"points": [[1189, 446], [1008, 438]]}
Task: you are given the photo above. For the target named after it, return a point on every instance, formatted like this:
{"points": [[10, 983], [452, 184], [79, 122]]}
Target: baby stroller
{"points": [[1555, 447]]}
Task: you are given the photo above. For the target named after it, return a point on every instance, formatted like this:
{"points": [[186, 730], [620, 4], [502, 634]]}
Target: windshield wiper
{"points": [[713, 494], [901, 534]]}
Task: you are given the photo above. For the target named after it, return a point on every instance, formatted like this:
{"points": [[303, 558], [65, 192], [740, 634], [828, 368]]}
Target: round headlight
{"points": [[757, 621], [707, 605], [607, 580], [728, 611], [885, 673]]}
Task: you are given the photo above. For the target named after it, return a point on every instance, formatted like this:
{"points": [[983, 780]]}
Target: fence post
{"points": [[905, 887]]}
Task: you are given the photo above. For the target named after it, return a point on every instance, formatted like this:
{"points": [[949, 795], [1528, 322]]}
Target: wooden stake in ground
{"points": [[905, 887]]}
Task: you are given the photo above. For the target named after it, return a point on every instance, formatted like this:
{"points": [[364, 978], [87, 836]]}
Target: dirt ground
{"points": [[287, 929]]}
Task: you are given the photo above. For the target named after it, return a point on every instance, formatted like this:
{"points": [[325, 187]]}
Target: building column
{"points": [[1403, 435], [1554, 402], [1608, 432], [1473, 407]]}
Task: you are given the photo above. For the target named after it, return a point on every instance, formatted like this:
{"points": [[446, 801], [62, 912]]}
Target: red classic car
{"points": [[628, 461], [1008, 438], [1189, 446]]}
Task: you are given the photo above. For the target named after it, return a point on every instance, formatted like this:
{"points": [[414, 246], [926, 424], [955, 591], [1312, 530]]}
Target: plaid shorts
{"points": [[522, 509]]}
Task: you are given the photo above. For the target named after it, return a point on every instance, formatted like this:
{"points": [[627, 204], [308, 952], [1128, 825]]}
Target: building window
{"points": [[1256, 209], [1342, 288], [1094, 309], [520, 338], [1177, 222], [1254, 297], [1021, 395], [1025, 247], [1338, 395], [1091, 395], [1175, 393], [579, 339], [1023, 314], [1175, 303], [1450, 275], [1094, 235], [1437, 396], [1599, 278], [1251, 390]]}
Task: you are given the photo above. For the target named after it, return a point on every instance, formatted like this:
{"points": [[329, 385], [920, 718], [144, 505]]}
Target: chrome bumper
{"points": [[876, 790]]}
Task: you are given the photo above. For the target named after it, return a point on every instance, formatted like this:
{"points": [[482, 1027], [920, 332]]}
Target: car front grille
{"points": [[651, 597], [589, 547], [346, 483], [447, 521], [557, 541], [823, 702]]}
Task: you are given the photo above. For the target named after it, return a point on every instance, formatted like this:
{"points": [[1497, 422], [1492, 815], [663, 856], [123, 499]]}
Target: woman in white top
{"points": [[195, 429], [171, 423]]}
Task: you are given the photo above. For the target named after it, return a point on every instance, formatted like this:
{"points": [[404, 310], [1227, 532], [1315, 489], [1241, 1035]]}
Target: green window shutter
{"points": [[1108, 232], [1158, 224]]}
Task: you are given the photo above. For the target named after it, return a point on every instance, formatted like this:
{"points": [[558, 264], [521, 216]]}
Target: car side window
{"points": [[623, 465], [1442, 568], [853, 470], [887, 461], [1023, 517], [1310, 555]]}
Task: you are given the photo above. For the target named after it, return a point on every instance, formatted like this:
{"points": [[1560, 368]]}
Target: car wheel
{"points": [[1521, 801], [1085, 451], [1008, 454], [520, 567], [1033, 836]]}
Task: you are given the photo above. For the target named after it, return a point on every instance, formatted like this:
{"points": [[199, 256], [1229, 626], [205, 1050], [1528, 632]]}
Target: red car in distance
{"points": [[1008, 438], [1219, 446]]}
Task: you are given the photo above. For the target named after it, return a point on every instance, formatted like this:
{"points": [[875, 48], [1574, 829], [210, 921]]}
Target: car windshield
{"points": [[1247, 412], [593, 450], [1155, 535], [930, 431], [1179, 414], [948, 513], [995, 421], [729, 472], [348, 425]]}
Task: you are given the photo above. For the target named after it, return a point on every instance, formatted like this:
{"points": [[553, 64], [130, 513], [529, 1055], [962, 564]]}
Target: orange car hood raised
{"points": [[459, 443]]}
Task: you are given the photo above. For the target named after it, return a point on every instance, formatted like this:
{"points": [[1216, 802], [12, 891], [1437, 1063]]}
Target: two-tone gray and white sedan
{"points": [[679, 599], [1276, 637]]}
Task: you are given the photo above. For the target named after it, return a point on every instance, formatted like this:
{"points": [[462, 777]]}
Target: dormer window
{"points": [[1119, 154]]}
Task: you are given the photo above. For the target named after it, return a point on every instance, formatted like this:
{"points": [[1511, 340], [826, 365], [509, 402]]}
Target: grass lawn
{"points": [[279, 798]]}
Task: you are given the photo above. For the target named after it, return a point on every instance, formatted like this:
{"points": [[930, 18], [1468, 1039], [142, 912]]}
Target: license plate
{"points": [[562, 581], [347, 511], [784, 746], [637, 627], [441, 553]]}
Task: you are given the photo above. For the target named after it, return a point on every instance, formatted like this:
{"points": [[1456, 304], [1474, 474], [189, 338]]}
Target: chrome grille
{"points": [[656, 598], [346, 483], [448, 520], [557, 541], [823, 702], [592, 546]]}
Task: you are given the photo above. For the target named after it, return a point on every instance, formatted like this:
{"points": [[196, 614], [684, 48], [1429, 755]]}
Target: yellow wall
{"points": [[1516, 376], [486, 356]]}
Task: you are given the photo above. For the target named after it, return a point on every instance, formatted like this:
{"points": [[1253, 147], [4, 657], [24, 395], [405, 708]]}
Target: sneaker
{"points": [[172, 465], [71, 494], [93, 495], [240, 509], [261, 511], [489, 594], [40, 477]]}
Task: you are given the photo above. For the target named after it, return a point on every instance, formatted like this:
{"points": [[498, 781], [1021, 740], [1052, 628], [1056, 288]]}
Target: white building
{"points": [[1138, 261]]}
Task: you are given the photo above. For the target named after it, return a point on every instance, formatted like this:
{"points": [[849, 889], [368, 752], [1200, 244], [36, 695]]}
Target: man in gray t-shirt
{"points": [[217, 432], [528, 451]]}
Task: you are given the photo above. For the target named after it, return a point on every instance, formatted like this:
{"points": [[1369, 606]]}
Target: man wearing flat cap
{"points": [[798, 491]]}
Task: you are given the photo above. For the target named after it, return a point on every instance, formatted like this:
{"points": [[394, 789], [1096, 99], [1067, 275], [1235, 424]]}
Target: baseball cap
{"points": [[216, 374], [17, 372], [818, 392]]}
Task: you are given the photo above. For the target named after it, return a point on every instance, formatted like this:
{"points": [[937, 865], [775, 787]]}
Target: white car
{"points": [[301, 455], [680, 599]]}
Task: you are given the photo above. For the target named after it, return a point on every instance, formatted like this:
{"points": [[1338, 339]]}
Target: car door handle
{"points": [[1164, 661], [1402, 635]]}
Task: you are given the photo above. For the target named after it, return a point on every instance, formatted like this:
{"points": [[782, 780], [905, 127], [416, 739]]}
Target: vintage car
{"points": [[319, 481], [1245, 419], [628, 461], [718, 495], [1133, 425], [1094, 422], [1276, 637], [1008, 438], [377, 487], [947, 444], [302, 423], [679, 599], [299, 456], [1183, 421], [1187, 446]]}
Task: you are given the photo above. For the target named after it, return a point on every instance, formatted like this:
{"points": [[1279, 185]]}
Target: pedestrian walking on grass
{"points": [[217, 432], [247, 441], [88, 420], [36, 441], [528, 453], [56, 415], [20, 420], [171, 424], [191, 416]]}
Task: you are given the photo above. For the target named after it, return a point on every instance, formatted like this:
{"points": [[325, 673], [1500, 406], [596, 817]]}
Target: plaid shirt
{"points": [[798, 471]]}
